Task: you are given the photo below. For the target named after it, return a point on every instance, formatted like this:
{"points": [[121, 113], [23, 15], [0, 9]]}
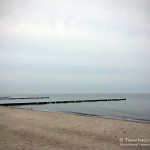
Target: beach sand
{"points": [[22, 129]]}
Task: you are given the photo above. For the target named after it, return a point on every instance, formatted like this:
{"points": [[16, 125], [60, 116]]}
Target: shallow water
{"points": [[136, 106]]}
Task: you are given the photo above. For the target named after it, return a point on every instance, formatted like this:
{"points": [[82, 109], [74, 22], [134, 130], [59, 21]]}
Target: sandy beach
{"points": [[22, 129]]}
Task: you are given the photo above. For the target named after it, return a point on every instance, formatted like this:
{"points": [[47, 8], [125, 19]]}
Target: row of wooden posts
{"points": [[56, 102], [13, 98]]}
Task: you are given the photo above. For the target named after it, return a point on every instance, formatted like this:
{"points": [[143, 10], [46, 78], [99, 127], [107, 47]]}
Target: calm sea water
{"points": [[136, 106]]}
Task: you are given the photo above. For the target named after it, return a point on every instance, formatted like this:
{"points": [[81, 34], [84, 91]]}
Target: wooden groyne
{"points": [[4, 98], [58, 102], [14, 98]]}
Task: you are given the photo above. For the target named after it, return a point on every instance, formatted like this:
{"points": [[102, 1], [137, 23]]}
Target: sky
{"points": [[74, 46]]}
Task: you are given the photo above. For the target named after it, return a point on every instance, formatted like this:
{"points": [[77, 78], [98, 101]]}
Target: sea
{"points": [[136, 107]]}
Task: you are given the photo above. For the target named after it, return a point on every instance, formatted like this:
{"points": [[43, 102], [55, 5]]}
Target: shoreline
{"points": [[87, 115], [31, 129]]}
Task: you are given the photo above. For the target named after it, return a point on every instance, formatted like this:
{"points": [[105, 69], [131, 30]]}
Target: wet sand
{"points": [[22, 129]]}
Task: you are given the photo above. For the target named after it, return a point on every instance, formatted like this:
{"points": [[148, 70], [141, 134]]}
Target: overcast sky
{"points": [[74, 46]]}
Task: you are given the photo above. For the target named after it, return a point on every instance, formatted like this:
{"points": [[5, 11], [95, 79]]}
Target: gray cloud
{"points": [[74, 46]]}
